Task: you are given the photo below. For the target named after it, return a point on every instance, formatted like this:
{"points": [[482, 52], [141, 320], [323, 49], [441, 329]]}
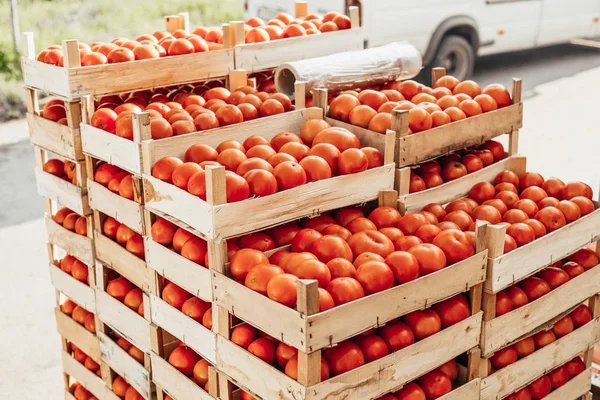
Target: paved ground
{"points": [[561, 137]]}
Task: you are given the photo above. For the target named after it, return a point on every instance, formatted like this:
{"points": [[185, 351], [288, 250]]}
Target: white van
{"points": [[450, 33]]}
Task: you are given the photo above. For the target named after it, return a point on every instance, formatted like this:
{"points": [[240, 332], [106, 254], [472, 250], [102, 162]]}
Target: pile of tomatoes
{"points": [[285, 26], [159, 44], [80, 392], [126, 292], [133, 351], [124, 390], [454, 166], [132, 241], [548, 279], [181, 241], [188, 112], [77, 269], [84, 359], [79, 315], [448, 101], [556, 378], [190, 364], [115, 179], [509, 355], [195, 308], [261, 168], [71, 221], [62, 169]]}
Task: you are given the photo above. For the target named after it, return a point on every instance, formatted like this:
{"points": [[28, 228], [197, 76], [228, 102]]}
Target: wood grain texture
{"points": [[574, 389], [77, 291], [125, 321], [63, 192], [49, 78], [57, 138], [87, 378], [174, 382], [192, 333], [78, 246], [472, 131], [260, 56], [448, 191], [124, 210], [519, 374], [70, 330], [468, 391], [509, 327], [192, 277], [528, 259], [367, 138], [126, 366], [111, 148]]}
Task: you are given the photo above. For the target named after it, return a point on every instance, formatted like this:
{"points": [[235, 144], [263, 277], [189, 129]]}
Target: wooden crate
{"points": [[77, 291], [89, 380], [214, 219], [500, 331], [578, 387], [262, 56], [113, 255], [64, 140], [73, 80], [423, 146], [116, 315], [519, 374], [79, 246], [130, 212], [71, 331], [63, 192]]}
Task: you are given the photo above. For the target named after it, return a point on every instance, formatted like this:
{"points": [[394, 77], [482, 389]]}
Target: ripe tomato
{"points": [[373, 347], [453, 310], [289, 174], [563, 327], [345, 289], [344, 357], [244, 260], [329, 247], [282, 289], [435, 384], [258, 277], [585, 257], [581, 316], [455, 245], [184, 359], [340, 267], [504, 357], [375, 276], [541, 387], [410, 391], [525, 347], [575, 367]]}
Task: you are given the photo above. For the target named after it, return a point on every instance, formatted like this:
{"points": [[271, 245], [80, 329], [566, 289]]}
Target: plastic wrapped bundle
{"points": [[353, 69]]}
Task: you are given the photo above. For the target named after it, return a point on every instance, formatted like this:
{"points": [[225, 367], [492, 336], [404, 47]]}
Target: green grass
{"points": [[96, 20]]}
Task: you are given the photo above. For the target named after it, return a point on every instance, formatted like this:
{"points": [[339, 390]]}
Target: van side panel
{"points": [[563, 20]]}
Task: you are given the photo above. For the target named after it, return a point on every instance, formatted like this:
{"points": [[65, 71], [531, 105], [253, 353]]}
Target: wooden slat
{"points": [[57, 138], [126, 366], [340, 323], [526, 260], [507, 328], [77, 291], [70, 330], [43, 76], [261, 56], [367, 138], [450, 190], [124, 210], [127, 322], [574, 389], [468, 391], [69, 396], [65, 193], [184, 328], [468, 132], [111, 148], [514, 376], [125, 263], [178, 385], [78, 246], [190, 276], [87, 378]]}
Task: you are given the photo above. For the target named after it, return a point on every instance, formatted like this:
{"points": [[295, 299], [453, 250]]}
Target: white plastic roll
{"points": [[352, 69]]}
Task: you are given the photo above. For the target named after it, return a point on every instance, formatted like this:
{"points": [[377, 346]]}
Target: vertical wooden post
{"points": [[518, 165], [227, 35], [300, 95], [594, 305], [354, 17], [513, 140], [400, 126], [141, 127], [301, 9], [309, 364], [388, 198], [319, 99], [172, 23], [237, 32], [70, 49], [493, 239], [184, 21], [402, 181], [236, 79], [437, 73], [389, 156]]}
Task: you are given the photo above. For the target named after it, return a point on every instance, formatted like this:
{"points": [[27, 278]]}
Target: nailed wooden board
{"points": [[503, 330], [70, 330], [65, 193], [125, 366], [192, 333], [261, 56], [57, 138], [450, 190], [87, 378], [575, 388], [532, 257], [367, 382], [178, 385], [125, 77], [125, 321], [422, 146], [124, 210], [77, 291], [125, 263], [78, 246], [468, 391], [190, 276], [254, 214], [514, 376], [111, 148]]}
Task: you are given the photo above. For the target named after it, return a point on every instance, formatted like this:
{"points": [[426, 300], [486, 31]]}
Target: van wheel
{"points": [[455, 54]]}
